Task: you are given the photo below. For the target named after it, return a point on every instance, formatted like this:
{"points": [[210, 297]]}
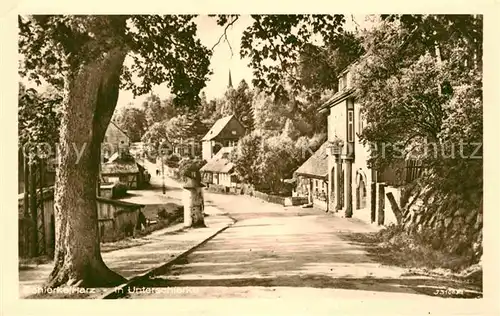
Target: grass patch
{"points": [[159, 225], [394, 246]]}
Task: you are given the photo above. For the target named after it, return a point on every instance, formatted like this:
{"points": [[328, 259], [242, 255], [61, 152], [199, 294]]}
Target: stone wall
{"points": [[449, 222]]}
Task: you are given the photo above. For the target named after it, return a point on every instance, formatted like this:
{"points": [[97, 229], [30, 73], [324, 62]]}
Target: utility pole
{"points": [[162, 171]]}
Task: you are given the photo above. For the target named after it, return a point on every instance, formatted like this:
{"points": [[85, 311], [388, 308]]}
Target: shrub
{"points": [[162, 214], [173, 158], [189, 166], [119, 190]]}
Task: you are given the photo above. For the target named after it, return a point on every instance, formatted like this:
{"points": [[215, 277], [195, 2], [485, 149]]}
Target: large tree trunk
{"points": [[89, 105]]}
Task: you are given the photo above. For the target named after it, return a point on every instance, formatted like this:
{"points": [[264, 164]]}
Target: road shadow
{"points": [[276, 250]]}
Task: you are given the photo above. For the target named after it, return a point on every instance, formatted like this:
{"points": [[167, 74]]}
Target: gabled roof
{"points": [[118, 128], [337, 98], [220, 162], [119, 168], [117, 164], [217, 128], [317, 164]]}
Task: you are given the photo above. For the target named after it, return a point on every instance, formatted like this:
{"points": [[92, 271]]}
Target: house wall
{"points": [[207, 151], [130, 179], [228, 137], [232, 131], [361, 173], [225, 179], [114, 140], [221, 179], [114, 219], [314, 189]]}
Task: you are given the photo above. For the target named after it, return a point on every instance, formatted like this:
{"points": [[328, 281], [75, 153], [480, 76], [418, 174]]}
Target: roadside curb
{"points": [[120, 290]]}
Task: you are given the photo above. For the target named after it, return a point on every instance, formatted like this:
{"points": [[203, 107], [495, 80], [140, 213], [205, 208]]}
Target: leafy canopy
{"points": [[163, 49], [274, 44]]}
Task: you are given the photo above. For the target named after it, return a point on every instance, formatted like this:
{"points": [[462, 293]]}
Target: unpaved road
{"points": [[276, 252]]}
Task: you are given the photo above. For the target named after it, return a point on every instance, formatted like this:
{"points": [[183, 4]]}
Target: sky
{"points": [[222, 60], [225, 58]]}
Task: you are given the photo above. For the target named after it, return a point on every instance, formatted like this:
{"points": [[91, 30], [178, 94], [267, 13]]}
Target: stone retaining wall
{"points": [[449, 222]]}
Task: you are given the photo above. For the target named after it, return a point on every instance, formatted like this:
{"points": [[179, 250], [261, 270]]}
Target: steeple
{"points": [[230, 84]]}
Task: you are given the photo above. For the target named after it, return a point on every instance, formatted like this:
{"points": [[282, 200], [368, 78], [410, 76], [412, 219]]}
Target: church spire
{"points": [[230, 84]]}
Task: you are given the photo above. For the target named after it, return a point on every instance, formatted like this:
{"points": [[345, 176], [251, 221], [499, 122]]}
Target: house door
{"points": [[362, 193]]}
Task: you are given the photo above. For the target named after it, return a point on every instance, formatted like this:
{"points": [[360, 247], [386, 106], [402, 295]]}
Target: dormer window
{"points": [[233, 132], [343, 82]]}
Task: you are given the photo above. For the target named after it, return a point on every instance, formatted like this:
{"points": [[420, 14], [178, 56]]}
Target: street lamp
{"points": [[162, 168], [336, 146]]}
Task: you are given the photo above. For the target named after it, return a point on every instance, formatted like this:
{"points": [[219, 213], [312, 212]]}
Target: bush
{"points": [[173, 158], [189, 166], [162, 214], [119, 190]]}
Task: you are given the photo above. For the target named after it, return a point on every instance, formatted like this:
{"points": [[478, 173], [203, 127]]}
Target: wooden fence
{"points": [[117, 219], [413, 170]]}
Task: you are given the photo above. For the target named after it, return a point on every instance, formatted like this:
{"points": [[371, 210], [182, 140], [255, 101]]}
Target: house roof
{"points": [[317, 164], [337, 98], [217, 128], [118, 127], [119, 168], [118, 165], [220, 162]]}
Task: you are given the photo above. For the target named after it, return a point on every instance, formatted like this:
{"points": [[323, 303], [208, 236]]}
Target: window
{"points": [[350, 125], [343, 82], [360, 122]]}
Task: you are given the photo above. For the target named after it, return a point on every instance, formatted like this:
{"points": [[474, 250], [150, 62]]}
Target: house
{"points": [[186, 148], [312, 178], [224, 133], [115, 140], [353, 185], [123, 168], [219, 169]]}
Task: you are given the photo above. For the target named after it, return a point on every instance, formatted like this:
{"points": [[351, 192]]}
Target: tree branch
{"points": [[224, 35]]}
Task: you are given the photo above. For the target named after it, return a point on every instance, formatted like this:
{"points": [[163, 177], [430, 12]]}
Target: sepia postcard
{"points": [[312, 162]]}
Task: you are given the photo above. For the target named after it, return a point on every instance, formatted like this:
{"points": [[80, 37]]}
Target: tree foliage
{"points": [[274, 43], [265, 160], [160, 47], [84, 57], [39, 118], [238, 102], [319, 66], [419, 83], [133, 122]]}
